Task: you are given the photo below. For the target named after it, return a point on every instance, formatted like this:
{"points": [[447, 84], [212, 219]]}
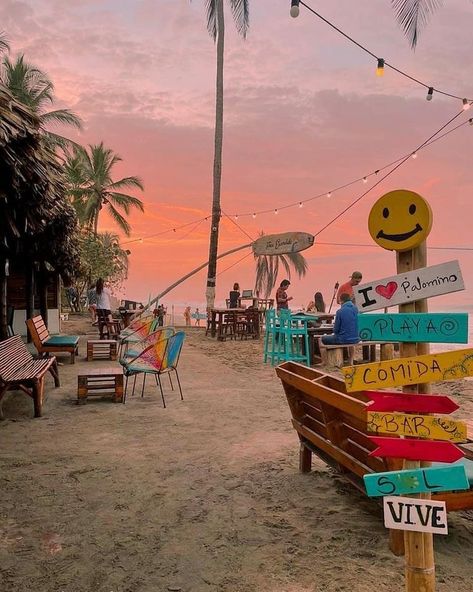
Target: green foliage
{"points": [[414, 15], [241, 16], [268, 267]]}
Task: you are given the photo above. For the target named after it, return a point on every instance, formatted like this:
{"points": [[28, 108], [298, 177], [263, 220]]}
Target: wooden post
{"points": [[419, 552], [3, 299], [30, 290], [43, 295]]}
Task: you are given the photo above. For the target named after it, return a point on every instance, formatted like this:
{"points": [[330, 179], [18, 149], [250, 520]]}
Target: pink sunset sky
{"points": [[304, 113]]}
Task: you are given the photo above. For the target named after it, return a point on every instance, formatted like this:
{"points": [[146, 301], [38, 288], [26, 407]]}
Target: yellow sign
{"points": [[400, 220], [419, 369], [418, 426]]}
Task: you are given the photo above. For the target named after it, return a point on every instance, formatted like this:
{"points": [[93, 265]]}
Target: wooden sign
{"points": [[411, 449], [409, 287], [410, 481], [418, 426], [415, 327], [386, 401], [406, 513], [281, 244], [416, 370]]}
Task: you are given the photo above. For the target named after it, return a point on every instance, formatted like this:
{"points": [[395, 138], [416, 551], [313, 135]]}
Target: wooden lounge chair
{"points": [[46, 344]]}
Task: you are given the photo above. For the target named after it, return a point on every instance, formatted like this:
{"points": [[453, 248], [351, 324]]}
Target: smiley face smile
{"points": [[399, 237]]}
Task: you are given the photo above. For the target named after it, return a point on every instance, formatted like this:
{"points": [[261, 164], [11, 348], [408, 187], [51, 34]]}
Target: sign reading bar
{"points": [[418, 426], [410, 481], [411, 449], [386, 401], [406, 513], [416, 370], [281, 244], [415, 327], [409, 287]]}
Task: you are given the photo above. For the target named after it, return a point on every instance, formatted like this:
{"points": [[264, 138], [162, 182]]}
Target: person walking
{"points": [[347, 288]]}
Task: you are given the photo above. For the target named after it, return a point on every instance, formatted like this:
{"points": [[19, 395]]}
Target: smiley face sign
{"points": [[400, 220]]}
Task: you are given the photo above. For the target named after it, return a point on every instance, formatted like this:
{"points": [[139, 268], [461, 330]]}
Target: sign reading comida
{"points": [[405, 513], [282, 244], [409, 287]]}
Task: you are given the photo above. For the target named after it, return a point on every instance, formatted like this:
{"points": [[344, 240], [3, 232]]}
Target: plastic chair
{"points": [[138, 347], [271, 337], [159, 358]]}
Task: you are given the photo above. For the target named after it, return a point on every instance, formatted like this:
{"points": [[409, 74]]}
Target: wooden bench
{"points": [[332, 424], [343, 355], [20, 371], [100, 382], [101, 349], [46, 344]]}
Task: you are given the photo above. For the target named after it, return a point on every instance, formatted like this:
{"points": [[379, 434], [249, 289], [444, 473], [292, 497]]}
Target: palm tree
{"points": [[414, 15], [91, 186], [216, 28], [267, 270], [4, 45], [31, 86]]}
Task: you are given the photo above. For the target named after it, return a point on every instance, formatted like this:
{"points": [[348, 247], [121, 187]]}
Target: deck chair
{"points": [[46, 344], [159, 358]]}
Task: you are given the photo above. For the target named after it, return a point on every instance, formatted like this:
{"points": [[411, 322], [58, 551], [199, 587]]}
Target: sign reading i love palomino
{"points": [[409, 287]]}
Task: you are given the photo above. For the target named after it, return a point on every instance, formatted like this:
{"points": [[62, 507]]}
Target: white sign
{"points": [[408, 513], [409, 287], [281, 244]]}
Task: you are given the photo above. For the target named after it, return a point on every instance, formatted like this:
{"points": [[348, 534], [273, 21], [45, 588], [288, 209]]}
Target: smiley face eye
{"points": [[412, 209], [385, 212]]}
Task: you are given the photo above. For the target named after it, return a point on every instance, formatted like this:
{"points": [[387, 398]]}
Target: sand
{"points": [[202, 496]]}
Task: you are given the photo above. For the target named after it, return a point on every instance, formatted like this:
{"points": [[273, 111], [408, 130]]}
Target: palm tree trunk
{"points": [[217, 171]]}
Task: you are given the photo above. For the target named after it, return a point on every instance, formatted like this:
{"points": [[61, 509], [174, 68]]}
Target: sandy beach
{"points": [[202, 496]]}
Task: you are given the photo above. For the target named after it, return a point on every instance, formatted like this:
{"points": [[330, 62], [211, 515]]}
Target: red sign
{"points": [[413, 449], [385, 401]]}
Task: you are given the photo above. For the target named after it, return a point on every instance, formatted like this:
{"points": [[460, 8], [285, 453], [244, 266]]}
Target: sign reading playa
{"points": [[280, 244]]}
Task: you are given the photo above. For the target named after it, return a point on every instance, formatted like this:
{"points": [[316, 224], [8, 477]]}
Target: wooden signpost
{"points": [[416, 327], [406, 513], [428, 450], [417, 426], [386, 401], [280, 244], [414, 370], [421, 480], [409, 287]]}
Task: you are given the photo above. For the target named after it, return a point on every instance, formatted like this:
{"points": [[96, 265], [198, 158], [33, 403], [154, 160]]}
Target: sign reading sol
{"points": [[282, 244]]}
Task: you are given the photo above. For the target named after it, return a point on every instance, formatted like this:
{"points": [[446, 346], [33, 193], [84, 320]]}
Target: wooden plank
{"points": [[386, 401], [416, 450], [418, 426], [409, 286], [406, 513], [415, 327], [408, 371]]}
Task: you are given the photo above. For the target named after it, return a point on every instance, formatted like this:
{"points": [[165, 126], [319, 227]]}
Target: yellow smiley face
{"points": [[400, 220]]}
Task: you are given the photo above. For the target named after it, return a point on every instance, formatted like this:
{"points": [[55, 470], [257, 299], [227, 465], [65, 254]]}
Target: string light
{"points": [[430, 93], [414, 155], [300, 204], [254, 215], [380, 67], [275, 211], [236, 216], [470, 121], [295, 8], [141, 241], [466, 104], [365, 180], [329, 194]]}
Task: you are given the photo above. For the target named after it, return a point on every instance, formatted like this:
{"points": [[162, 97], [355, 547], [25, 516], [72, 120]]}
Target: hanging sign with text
{"points": [[405, 513], [281, 244], [411, 449], [409, 287], [423, 480], [416, 370], [415, 327], [405, 402], [417, 426]]}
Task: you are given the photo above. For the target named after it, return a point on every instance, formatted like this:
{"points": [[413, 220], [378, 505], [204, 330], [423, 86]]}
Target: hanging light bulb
{"points": [[275, 211], [470, 121], [414, 155], [380, 67], [141, 240], [365, 180], [466, 104], [329, 194], [295, 8], [236, 217], [254, 215], [430, 93], [300, 204]]}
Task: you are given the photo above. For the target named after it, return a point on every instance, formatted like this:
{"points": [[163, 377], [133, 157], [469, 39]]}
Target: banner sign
{"points": [[411, 449], [410, 481], [409, 287], [416, 370], [418, 403], [406, 513], [281, 244], [415, 327], [417, 426]]}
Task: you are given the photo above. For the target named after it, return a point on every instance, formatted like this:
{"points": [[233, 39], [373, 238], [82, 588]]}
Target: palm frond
{"points": [[211, 9], [63, 116], [119, 219], [4, 45], [127, 182], [125, 201], [414, 15], [241, 15]]}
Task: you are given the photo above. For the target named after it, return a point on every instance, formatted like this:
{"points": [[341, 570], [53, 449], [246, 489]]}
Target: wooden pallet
{"points": [[101, 349], [100, 382]]}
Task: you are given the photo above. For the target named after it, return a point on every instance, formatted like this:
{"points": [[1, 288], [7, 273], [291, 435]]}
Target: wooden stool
{"points": [[101, 349], [100, 382]]}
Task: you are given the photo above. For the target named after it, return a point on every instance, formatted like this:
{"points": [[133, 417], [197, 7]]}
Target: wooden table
{"points": [[218, 326], [101, 349], [100, 382]]}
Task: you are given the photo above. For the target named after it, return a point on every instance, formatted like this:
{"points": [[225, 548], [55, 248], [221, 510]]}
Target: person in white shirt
{"points": [[103, 299]]}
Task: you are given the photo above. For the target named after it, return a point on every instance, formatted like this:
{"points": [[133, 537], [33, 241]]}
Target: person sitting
{"points": [[234, 296], [345, 328]]}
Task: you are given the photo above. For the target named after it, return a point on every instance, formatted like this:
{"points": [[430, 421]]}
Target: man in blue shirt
{"points": [[345, 329]]}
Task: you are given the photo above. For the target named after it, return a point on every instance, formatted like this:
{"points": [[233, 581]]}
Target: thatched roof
{"points": [[35, 216]]}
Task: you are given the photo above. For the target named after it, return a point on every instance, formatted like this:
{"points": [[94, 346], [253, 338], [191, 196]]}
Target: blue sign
{"points": [[428, 480], [414, 327]]}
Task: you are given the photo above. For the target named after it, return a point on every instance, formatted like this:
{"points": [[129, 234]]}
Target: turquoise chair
{"points": [[293, 339], [271, 345]]}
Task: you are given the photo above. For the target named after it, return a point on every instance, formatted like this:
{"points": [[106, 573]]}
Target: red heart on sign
{"points": [[386, 291]]}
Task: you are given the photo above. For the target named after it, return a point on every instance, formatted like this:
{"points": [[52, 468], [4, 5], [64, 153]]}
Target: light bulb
{"points": [[414, 155], [470, 121], [300, 204], [295, 8], [236, 217], [365, 180], [141, 240], [275, 211], [466, 104], [254, 215], [380, 68], [430, 93]]}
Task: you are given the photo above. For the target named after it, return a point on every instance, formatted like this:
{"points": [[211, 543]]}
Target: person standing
{"points": [[187, 316], [345, 328], [282, 298], [319, 302], [197, 317], [92, 303], [347, 288], [103, 300], [235, 296]]}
